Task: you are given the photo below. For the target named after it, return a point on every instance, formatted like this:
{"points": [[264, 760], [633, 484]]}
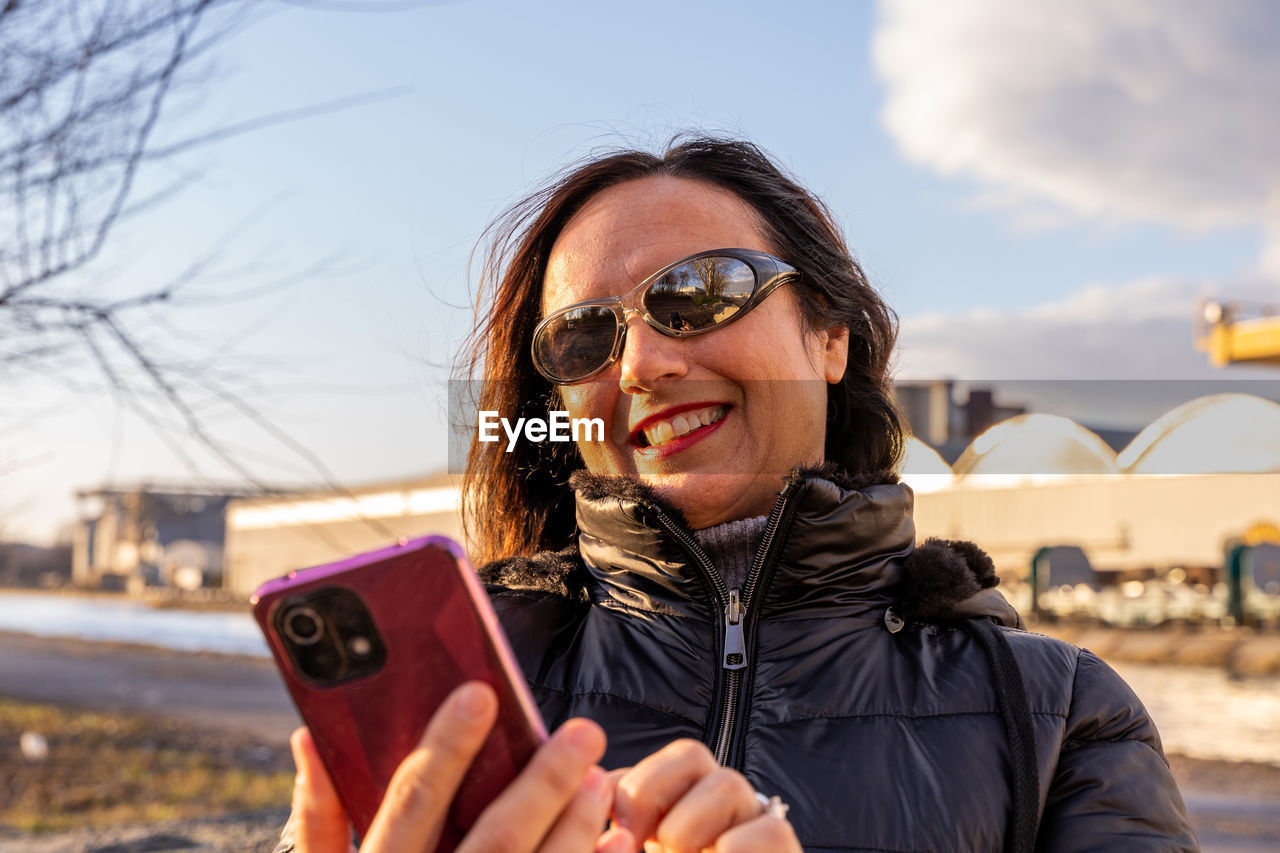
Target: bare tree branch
{"points": [[83, 87]]}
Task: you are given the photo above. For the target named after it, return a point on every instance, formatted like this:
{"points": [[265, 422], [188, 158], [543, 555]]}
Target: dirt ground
{"points": [[235, 714], [65, 768]]}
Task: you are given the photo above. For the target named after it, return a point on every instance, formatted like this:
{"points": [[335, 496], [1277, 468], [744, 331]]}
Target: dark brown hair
{"points": [[520, 502]]}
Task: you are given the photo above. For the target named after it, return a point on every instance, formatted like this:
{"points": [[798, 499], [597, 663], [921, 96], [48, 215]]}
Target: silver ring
{"points": [[772, 806]]}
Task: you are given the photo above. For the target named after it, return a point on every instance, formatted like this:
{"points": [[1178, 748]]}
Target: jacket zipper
{"points": [[737, 617], [735, 638], [736, 604], [720, 590]]}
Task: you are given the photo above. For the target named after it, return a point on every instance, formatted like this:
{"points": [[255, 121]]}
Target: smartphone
{"points": [[370, 646]]}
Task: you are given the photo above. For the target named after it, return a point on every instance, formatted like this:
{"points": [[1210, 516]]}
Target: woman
{"points": [[727, 583]]}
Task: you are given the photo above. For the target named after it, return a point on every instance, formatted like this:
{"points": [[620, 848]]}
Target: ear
{"points": [[835, 355]]}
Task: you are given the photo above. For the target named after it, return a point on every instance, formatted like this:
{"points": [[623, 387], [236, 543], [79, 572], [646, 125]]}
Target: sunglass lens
{"points": [[576, 343], [700, 293]]}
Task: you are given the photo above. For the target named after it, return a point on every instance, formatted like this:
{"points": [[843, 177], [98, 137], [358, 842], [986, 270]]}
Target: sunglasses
{"points": [[693, 296]]}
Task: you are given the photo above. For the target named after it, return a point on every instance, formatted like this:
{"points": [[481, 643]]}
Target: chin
{"points": [[707, 499]]}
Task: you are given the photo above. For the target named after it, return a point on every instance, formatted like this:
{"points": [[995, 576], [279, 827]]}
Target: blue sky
{"points": [[1041, 192]]}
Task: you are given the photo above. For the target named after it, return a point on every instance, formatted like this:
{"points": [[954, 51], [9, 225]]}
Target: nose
{"points": [[649, 357]]}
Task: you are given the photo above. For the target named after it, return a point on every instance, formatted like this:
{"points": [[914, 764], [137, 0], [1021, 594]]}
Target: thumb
{"points": [[322, 823]]}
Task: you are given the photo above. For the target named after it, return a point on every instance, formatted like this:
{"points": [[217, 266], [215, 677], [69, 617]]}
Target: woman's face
{"points": [[711, 422]]}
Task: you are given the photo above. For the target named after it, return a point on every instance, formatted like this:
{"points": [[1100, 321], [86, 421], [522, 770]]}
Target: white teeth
{"points": [[682, 424]]}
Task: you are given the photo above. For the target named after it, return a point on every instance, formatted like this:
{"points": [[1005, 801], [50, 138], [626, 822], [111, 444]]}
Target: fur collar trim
{"points": [[598, 487], [558, 573], [833, 473], [944, 579]]}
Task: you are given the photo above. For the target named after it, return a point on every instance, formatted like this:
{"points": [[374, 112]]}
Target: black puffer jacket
{"points": [[847, 685]]}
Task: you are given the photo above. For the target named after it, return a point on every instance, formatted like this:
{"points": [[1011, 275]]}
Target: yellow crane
{"points": [[1239, 333]]}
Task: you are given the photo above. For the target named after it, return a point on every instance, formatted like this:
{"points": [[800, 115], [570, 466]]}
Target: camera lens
{"points": [[303, 626]]}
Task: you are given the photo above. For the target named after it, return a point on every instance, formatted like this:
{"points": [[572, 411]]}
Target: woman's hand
{"points": [[558, 803], [678, 800]]}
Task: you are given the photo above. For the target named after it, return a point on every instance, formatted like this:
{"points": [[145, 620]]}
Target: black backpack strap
{"points": [[1015, 710]]}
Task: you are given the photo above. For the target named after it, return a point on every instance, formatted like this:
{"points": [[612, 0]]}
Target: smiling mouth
{"points": [[669, 429]]}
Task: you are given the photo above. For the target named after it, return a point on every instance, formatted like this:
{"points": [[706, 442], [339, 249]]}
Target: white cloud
{"points": [[1138, 330], [1154, 110]]}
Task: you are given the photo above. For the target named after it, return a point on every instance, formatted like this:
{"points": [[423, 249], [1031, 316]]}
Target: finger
{"points": [[616, 840], [765, 834], [322, 825], [718, 802], [418, 798], [652, 787], [521, 816], [578, 826]]}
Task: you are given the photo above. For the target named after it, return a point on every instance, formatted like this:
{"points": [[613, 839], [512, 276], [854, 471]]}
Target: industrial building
{"points": [[1194, 481], [267, 537], [150, 534]]}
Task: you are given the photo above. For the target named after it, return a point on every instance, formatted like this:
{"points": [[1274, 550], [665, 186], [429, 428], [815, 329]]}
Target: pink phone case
{"points": [[432, 629]]}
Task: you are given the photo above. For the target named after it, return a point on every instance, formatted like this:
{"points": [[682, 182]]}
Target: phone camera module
{"points": [[304, 626], [329, 636]]}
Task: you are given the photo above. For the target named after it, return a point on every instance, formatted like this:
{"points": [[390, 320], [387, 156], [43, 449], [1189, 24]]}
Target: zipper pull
{"points": [[735, 644]]}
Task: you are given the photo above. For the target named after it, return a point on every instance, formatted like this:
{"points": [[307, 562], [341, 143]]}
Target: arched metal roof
{"points": [[1034, 446], [1217, 434], [923, 469]]}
